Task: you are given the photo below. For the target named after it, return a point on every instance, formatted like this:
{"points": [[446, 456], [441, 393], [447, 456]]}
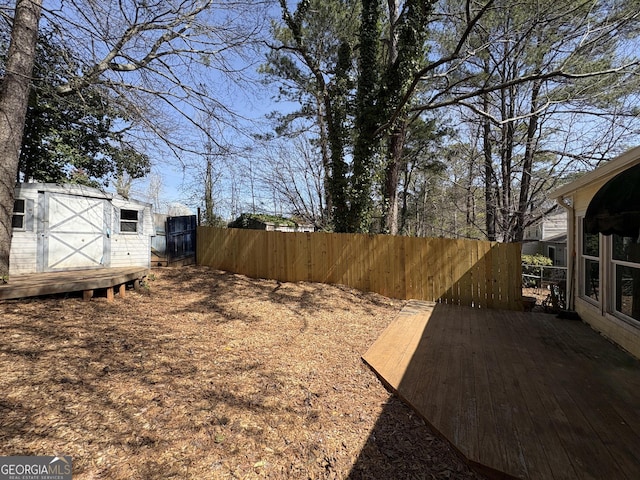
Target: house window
{"points": [[19, 210], [625, 257], [590, 278], [128, 221]]}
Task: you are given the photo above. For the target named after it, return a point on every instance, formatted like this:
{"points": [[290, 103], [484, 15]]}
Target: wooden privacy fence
{"points": [[462, 272]]}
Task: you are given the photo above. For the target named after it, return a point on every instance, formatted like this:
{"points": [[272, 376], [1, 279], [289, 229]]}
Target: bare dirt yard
{"points": [[210, 375]]}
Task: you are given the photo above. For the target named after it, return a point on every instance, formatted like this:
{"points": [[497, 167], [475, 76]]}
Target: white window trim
{"points": [[137, 222], [581, 267], [22, 214], [611, 275]]}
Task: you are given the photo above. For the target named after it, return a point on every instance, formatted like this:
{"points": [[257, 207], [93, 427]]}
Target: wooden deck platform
{"points": [[520, 395], [86, 281]]}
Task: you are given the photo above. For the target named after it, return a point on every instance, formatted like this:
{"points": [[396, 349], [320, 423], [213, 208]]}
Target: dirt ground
{"points": [[540, 294], [210, 375]]}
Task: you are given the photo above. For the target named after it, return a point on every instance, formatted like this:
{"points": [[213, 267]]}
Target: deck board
{"points": [[36, 284], [520, 395]]}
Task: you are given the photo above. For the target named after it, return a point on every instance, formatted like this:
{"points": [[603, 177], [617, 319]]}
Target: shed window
{"points": [[128, 221], [590, 276], [19, 210]]}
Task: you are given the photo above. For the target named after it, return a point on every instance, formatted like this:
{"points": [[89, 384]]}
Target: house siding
{"points": [[625, 333], [554, 225], [550, 231], [611, 327], [598, 317]]}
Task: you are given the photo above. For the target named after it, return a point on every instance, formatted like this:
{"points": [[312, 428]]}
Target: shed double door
{"points": [[74, 233]]}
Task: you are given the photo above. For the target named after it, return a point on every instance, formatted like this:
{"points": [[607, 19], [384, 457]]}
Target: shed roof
{"points": [[76, 189]]}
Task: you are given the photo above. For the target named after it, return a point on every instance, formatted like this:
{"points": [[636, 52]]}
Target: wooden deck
{"points": [[520, 395], [86, 281]]}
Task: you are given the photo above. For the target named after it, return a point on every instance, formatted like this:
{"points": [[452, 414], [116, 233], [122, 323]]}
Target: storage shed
{"points": [[73, 227], [603, 209]]}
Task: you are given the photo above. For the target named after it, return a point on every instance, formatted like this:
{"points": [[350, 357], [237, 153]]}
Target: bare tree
{"points": [[158, 58], [154, 192], [530, 73], [294, 175]]}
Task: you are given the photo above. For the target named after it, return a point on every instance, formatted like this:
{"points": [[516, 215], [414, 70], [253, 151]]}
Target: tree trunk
{"points": [[336, 170], [208, 190], [396, 139], [489, 197], [525, 181], [14, 98], [396, 148], [402, 228], [326, 212], [507, 112], [469, 198], [366, 119]]}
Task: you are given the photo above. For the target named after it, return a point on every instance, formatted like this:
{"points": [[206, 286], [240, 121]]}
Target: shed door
{"points": [[75, 233]]}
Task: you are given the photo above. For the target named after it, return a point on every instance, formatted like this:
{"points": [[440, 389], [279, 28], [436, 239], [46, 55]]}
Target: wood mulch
{"points": [[207, 374]]}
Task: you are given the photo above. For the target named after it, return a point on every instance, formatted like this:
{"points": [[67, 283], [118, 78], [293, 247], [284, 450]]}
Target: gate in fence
{"points": [[175, 241]]}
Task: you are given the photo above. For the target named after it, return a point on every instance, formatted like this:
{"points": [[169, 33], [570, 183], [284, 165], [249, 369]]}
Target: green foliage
{"points": [[532, 265], [536, 260], [246, 220], [333, 58], [338, 185], [426, 165], [77, 137], [309, 50], [314, 65], [367, 119], [381, 115]]}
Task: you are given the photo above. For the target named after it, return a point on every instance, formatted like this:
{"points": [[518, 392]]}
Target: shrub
{"points": [[536, 260], [249, 220], [531, 266]]}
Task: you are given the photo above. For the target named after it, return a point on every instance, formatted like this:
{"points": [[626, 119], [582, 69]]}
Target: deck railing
{"points": [[541, 276], [463, 272]]}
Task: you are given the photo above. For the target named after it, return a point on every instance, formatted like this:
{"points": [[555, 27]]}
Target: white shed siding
{"points": [[128, 251], [132, 249], [24, 242], [22, 255]]}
